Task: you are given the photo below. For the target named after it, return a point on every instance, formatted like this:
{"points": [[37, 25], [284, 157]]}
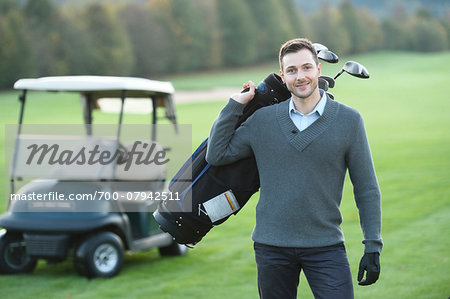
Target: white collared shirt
{"points": [[302, 121]]}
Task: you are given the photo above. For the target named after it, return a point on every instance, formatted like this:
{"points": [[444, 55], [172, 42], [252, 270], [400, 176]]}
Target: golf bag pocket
{"points": [[219, 207]]}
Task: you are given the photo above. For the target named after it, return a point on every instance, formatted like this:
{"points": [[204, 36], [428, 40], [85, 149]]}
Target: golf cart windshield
{"points": [[145, 95]]}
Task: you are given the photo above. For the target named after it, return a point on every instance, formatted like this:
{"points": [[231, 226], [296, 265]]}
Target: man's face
{"points": [[300, 73]]}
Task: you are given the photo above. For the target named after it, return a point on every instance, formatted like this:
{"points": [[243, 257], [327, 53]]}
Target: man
{"points": [[303, 148]]}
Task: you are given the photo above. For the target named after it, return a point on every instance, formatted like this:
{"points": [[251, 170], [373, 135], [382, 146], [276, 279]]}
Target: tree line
{"points": [[155, 37]]}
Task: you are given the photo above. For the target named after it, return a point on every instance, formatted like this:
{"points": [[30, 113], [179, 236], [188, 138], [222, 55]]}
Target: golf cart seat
{"points": [[146, 171]]}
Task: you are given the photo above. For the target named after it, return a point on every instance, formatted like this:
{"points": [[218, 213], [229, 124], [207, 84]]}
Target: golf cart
{"points": [[49, 217]]}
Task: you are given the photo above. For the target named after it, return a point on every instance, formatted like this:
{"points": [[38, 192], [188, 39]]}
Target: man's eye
{"points": [[291, 71]]}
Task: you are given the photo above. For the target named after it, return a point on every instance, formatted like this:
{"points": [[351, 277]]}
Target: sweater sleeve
{"points": [[227, 145], [365, 188]]}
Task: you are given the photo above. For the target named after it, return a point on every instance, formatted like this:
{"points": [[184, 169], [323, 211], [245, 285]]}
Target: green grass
{"points": [[406, 110]]}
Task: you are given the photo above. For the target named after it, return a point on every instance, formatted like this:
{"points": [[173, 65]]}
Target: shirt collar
{"points": [[320, 107]]}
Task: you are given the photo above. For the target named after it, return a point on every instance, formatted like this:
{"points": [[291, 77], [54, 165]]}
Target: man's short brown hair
{"points": [[295, 45]]}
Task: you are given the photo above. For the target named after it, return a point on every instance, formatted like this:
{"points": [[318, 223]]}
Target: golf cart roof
{"points": [[98, 85], [94, 88]]}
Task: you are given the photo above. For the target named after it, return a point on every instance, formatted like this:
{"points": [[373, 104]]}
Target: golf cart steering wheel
{"points": [[123, 154]]}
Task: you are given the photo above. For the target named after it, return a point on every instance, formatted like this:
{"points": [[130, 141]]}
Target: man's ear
{"points": [[282, 76], [319, 67]]}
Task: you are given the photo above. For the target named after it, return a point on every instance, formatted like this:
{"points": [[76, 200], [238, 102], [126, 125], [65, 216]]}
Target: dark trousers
{"points": [[326, 269]]}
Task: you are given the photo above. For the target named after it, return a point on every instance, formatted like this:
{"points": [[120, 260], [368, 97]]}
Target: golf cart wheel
{"points": [[100, 255], [13, 255], [173, 249]]}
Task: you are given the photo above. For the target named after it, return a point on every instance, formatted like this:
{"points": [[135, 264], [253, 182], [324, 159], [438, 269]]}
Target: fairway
{"points": [[406, 111]]}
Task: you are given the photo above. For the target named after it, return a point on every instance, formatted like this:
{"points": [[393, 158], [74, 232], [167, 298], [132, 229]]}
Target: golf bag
{"points": [[208, 194]]}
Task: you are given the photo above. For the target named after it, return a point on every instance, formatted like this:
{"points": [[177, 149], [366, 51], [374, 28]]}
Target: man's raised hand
{"points": [[247, 95]]}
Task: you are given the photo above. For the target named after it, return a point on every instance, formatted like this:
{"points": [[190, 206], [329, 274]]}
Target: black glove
{"points": [[370, 262]]}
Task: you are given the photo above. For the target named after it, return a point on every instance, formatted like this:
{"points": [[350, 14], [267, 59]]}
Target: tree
{"points": [[15, 52], [350, 23], [213, 40], [371, 32], [187, 33], [363, 29], [396, 35], [323, 30], [429, 36], [50, 52], [80, 52], [42, 12], [190, 35], [273, 26], [112, 51], [8, 5], [149, 41], [293, 18], [445, 23], [238, 32]]}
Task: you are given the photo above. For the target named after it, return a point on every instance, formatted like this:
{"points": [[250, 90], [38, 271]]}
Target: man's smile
{"points": [[302, 85]]}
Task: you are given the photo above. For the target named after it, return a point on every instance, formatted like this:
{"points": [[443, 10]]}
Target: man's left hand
{"points": [[370, 262]]}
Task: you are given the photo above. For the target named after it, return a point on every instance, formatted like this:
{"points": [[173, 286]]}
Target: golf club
{"points": [[329, 80], [323, 84], [319, 47], [328, 56], [355, 69]]}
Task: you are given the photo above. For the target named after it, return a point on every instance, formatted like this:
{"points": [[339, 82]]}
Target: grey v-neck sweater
{"points": [[302, 173]]}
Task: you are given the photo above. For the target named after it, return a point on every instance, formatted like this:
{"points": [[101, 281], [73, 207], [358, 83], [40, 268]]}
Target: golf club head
{"points": [[355, 69], [329, 80], [319, 47], [328, 56], [330, 95], [323, 84]]}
